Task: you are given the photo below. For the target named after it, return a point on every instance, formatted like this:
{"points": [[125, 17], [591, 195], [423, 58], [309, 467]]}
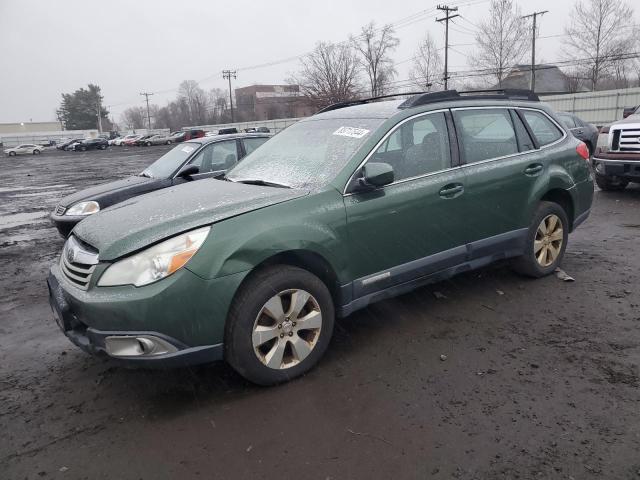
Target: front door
{"points": [[214, 160], [414, 226]]}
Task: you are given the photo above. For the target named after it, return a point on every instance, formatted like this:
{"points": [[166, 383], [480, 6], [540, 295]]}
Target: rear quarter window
{"points": [[543, 128]]}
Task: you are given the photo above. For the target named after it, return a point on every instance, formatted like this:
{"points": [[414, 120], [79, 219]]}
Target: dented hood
{"points": [[147, 219]]}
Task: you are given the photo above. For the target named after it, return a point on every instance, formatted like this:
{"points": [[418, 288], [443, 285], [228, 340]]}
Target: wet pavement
{"points": [[488, 375]]}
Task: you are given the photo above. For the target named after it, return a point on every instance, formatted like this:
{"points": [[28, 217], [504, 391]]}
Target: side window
{"points": [[418, 147], [485, 133], [524, 140], [224, 155], [250, 144], [568, 120], [544, 129]]}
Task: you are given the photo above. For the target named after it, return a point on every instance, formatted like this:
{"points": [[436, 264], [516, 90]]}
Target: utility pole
{"points": [[446, 9], [148, 113], [99, 118], [534, 16], [226, 75]]}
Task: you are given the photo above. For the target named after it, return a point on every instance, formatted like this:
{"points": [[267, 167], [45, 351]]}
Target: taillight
{"points": [[583, 151]]}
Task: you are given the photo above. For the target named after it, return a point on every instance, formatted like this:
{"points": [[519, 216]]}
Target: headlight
{"points": [[155, 262], [83, 208]]}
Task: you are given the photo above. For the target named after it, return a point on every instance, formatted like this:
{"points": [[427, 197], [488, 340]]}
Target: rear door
{"points": [[502, 167], [414, 226]]}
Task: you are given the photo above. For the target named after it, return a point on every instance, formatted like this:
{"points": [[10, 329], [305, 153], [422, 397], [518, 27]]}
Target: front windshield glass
{"points": [[308, 154], [167, 164]]}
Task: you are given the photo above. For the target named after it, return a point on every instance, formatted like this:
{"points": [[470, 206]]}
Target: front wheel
{"points": [[148, 144], [12, 154], [279, 325], [546, 241], [83, 149], [36, 152], [168, 142], [610, 184]]}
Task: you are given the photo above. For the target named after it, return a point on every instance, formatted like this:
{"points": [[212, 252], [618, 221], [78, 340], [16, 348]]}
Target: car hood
{"points": [[92, 193], [144, 220]]}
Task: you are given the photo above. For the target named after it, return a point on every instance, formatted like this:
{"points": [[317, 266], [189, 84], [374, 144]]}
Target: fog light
{"points": [[137, 346], [600, 168]]}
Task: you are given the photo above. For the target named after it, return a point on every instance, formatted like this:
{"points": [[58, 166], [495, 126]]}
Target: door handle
{"points": [[452, 190], [533, 169]]}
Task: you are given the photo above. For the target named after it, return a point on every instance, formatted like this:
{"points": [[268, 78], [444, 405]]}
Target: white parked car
{"points": [[24, 149], [120, 140]]}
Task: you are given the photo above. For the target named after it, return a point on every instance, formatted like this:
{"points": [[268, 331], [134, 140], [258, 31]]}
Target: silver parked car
{"points": [[24, 149], [158, 140]]}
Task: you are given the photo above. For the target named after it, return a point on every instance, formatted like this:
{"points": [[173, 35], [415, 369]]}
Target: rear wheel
{"points": [[83, 149], [168, 142], [546, 241], [36, 152], [610, 184], [148, 144], [279, 325], [12, 154]]}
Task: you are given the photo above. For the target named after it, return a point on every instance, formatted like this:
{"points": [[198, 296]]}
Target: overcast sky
{"points": [[127, 47]]}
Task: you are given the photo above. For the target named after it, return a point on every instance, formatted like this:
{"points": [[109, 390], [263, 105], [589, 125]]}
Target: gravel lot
{"points": [[486, 376]]}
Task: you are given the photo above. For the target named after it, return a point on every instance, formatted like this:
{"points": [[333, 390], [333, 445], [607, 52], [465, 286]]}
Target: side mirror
{"points": [[188, 170], [375, 174]]}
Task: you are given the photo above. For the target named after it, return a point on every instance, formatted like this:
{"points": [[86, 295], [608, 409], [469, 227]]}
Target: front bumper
{"points": [[183, 310], [618, 166], [65, 223]]}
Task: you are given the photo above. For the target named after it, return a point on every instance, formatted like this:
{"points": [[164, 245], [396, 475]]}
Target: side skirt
{"points": [[434, 268]]}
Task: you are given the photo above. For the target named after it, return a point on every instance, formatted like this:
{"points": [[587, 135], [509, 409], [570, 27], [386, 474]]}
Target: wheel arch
{"points": [[563, 198], [308, 260]]}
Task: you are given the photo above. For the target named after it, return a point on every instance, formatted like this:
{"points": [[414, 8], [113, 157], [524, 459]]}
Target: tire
{"points": [[36, 152], [103, 147], [247, 312], [609, 185], [168, 142], [537, 245], [12, 154], [83, 149]]}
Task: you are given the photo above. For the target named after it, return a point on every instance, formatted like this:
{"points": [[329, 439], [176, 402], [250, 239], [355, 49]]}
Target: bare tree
{"points": [[502, 39], [196, 98], [374, 47], [427, 64], [135, 117], [329, 74], [599, 35]]}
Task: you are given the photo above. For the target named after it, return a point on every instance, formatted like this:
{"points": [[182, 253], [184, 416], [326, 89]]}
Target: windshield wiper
{"points": [[257, 181]]}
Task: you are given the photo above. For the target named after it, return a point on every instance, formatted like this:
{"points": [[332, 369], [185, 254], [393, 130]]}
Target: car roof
{"points": [[230, 136]]}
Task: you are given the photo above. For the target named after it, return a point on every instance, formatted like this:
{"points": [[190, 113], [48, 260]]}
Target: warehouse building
{"points": [[268, 102]]}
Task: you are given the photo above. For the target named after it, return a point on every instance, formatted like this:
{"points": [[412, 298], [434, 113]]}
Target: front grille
{"points": [[60, 210], [626, 140], [78, 263]]}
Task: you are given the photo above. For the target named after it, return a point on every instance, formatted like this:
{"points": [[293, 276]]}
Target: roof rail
{"points": [[448, 95], [349, 103]]}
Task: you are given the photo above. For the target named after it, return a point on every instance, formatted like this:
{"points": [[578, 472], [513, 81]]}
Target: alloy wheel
{"points": [[287, 329], [548, 243]]}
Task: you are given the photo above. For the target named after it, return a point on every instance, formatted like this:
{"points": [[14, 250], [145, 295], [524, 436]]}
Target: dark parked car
{"points": [[580, 129], [192, 160], [227, 131], [92, 144], [363, 201], [143, 140], [67, 143]]}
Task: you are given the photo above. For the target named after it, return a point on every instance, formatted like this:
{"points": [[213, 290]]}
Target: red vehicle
{"points": [[129, 142], [185, 135]]}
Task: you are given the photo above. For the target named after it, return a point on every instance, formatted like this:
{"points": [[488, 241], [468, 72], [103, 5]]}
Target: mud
{"points": [[485, 376]]}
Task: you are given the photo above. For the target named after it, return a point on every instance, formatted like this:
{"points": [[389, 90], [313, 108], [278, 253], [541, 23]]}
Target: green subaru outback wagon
{"points": [[363, 201]]}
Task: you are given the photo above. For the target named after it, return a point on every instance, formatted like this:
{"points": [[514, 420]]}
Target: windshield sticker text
{"points": [[351, 132]]}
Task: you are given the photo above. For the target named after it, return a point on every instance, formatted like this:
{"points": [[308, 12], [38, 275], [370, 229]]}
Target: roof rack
{"points": [[424, 98], [492, 94], [349, 103]]}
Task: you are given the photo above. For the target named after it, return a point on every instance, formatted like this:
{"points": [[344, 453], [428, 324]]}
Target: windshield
{"points": [[308, 154], [168, 163]]}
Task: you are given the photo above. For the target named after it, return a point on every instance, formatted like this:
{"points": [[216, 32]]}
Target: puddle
{"points": [[10, 221]]}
